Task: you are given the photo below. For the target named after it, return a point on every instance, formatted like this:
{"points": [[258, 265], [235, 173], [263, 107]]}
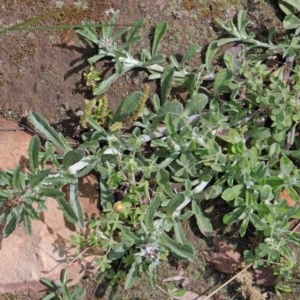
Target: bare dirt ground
{"points": [[41, 70]]}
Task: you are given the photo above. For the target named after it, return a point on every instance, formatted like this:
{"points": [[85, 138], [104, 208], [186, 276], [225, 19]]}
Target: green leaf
{"points": [[106, 194], [233, 192], [128, 106], [17, 179], [72, 157], [89, 32], [222, 82], [211, 192], [191, 52], [178, 293], [43, 127], [273, 181], [166, 83], [177, 201], [230, 135], [75, 203], [48, 283], [244, 226], [63, 276], [11, 223], [291, 22], [131, 276], [63, 204], [170, 126], [286, 166], [233, 216], [132, 34], [224, 41], [33, 153], [152, 209], [174, 107], [183, 251], [156, 102], [152, 272], [203, 222], [196, 103], [160, 30], [190, 83], [50, 296], [119, 250], [289, 6], [27, 223], [180, 235], [102, 86], [242, 23], [210, 55]]}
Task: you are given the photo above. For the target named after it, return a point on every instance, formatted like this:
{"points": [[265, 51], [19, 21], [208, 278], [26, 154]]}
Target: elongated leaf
{"points": [[43, 127], [233, 192], [96, 126], [210, 55], [132, 34], [173, 205], [67, 210], [75, 203], [203, 222], [242, 22], [27, 223], [190, 83], [118, 34], [158, 35], [104, 85], [273, 181], [50, 296], [131, 276], [153, 207], [63, 204], [63, 276], [33, 153], [289, 6], [233, 216], [89, 32], [166, 83], [180, 235], [152, 272], [48, 283], [106, 194], [11, 223], [183, 251], [107, 28], [128, 106], [17, 179], [170, 125]]}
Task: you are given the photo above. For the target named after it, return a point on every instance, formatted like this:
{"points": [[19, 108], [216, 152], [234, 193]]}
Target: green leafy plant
{"points": [[234, 139], [24, 191], [59, 290], [110, 46]]}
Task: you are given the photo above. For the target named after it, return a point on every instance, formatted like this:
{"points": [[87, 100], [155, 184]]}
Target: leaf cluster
{"points": [[234, 138]]}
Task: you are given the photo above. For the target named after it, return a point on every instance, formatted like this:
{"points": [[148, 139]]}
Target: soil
{"points": [[41, 70]]}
